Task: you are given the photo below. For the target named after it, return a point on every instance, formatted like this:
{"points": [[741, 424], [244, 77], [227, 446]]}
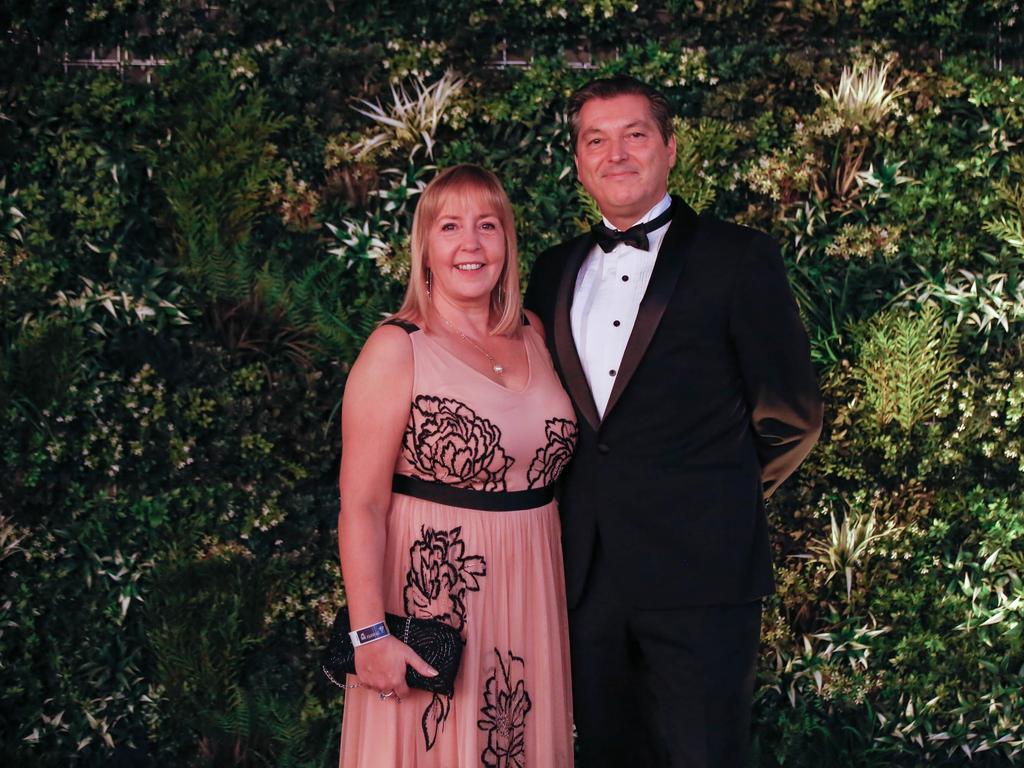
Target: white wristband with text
{"points": [[370, 634]]}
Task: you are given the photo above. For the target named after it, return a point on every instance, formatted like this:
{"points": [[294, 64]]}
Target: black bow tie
{"points": [[635, 236]]}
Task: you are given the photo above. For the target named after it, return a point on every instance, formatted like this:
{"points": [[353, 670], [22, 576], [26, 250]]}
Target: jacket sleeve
{"points": [[775, 362]]}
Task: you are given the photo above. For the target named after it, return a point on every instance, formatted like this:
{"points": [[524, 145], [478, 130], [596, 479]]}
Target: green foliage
{"points": [[1010, 227], [260, 728], [703, 150], [904, 362], [214, 173], [12, 250], [203, 617], [44, 361], [205, 620], [591, 210], [170, 512], [188, 268]]}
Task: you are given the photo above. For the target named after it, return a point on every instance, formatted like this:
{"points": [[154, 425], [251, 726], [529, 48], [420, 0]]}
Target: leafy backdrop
{"points": [[189, 265]]}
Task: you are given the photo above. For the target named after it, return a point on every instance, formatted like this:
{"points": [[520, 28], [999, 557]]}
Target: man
{"points": [[679, 342]]}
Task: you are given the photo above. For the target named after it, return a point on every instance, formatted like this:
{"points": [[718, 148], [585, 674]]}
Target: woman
{"points": [[454, 429]]}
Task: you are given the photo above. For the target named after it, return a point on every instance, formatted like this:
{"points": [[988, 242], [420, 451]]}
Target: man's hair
{"points": [[620, 85]]}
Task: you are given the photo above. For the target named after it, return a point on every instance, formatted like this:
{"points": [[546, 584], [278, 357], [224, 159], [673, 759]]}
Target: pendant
{"points": [[499, 370]]}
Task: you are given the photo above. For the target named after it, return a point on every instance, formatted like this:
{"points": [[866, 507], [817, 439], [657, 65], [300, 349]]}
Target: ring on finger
{"points": [[386, 694]]}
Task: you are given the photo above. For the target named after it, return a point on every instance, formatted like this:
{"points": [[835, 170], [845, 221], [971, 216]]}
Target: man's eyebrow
{"points": [[640, 122]]}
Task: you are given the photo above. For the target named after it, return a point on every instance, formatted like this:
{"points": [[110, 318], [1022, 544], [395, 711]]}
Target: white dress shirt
{"points": [[609, 288]]}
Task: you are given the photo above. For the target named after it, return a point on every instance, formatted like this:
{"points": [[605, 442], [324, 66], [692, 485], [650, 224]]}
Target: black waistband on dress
{"points": [[488, 501]]}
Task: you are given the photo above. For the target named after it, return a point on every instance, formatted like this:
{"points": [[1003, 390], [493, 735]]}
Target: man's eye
{"points": [[594, 142], [638, 134]]}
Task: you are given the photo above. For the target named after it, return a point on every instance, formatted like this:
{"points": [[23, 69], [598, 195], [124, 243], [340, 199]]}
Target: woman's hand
{"points": [[381, 665]]}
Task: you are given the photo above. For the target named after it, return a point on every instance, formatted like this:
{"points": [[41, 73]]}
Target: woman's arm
{"points": [[374, 414]]}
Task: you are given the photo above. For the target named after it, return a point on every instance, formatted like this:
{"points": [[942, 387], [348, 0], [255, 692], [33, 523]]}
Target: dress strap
{"points": [[468, 498], [407, 327], [412, 328]]}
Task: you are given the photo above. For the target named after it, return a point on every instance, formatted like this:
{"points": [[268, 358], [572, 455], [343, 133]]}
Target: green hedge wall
{"points": [[189, 266]]}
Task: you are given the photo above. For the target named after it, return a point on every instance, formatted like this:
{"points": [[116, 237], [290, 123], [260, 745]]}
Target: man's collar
{"points": [[659, 207]]}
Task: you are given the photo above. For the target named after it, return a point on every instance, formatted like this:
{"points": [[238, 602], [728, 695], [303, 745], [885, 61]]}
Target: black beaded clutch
{"points": [[435, 642]]}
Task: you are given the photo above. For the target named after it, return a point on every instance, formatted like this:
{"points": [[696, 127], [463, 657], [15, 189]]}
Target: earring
{"points": [[429, 295]]}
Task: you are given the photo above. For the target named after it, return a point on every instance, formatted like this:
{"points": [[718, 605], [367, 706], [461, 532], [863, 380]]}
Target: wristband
{"points": [[370, 634]]}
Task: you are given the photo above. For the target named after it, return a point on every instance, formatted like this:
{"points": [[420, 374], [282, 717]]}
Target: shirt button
{"points": [[616, 323], [625, 278], [603, 449], [611, 372]]}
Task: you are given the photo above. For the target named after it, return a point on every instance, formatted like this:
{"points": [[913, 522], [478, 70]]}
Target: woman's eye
{"points": [[489, 226], [447, 227]]}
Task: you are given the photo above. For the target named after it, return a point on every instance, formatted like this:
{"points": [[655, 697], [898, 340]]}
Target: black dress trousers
{"points": [[669, 687]]}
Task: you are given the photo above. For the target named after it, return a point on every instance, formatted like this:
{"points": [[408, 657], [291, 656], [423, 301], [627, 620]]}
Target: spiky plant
{"points": [[411, 119], [864, 98], [847, 546], [856, 109], [988, 304], [880, 182]]}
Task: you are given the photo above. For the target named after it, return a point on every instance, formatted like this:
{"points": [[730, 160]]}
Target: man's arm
{"points": [[775, 362]]}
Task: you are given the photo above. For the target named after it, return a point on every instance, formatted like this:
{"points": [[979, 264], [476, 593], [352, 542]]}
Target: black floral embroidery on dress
{"points": [[434, 716], [448, 443], [552, 459], [440, 574], [506, 704]]}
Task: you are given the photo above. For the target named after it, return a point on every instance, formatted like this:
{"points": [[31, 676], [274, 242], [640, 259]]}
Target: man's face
{"points": [[621, 159]]}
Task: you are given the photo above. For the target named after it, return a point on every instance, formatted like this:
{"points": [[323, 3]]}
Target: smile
{"points": [[471, 267]]}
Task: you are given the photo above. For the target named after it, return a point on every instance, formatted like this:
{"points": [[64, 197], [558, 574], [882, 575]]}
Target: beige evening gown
{"points": [[473, 539]]}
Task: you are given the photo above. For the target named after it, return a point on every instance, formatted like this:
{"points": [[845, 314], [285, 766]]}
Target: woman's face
{"points": [[465, 250]]}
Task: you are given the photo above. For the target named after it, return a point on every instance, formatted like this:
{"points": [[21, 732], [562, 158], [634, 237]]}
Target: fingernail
{"points": [[432, 672]]}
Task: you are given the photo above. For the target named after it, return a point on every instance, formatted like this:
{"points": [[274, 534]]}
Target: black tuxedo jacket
{"points": [[715, 403]]}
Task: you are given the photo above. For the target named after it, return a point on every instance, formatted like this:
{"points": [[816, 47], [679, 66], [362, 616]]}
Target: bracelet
{"points": [[370, 634]]}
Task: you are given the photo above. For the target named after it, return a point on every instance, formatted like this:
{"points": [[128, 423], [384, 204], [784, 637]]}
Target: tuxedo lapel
{"points": [[565, 346], [667, 268]]}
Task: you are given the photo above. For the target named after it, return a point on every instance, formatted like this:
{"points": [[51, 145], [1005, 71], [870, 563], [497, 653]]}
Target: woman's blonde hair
{"points": [[461, 181]]}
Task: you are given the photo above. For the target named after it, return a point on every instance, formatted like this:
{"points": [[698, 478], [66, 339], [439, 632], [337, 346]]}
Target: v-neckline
{"points": [[460, 361]]}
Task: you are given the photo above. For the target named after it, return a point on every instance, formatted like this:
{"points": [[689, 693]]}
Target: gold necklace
{"points": [[497, 367]]}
